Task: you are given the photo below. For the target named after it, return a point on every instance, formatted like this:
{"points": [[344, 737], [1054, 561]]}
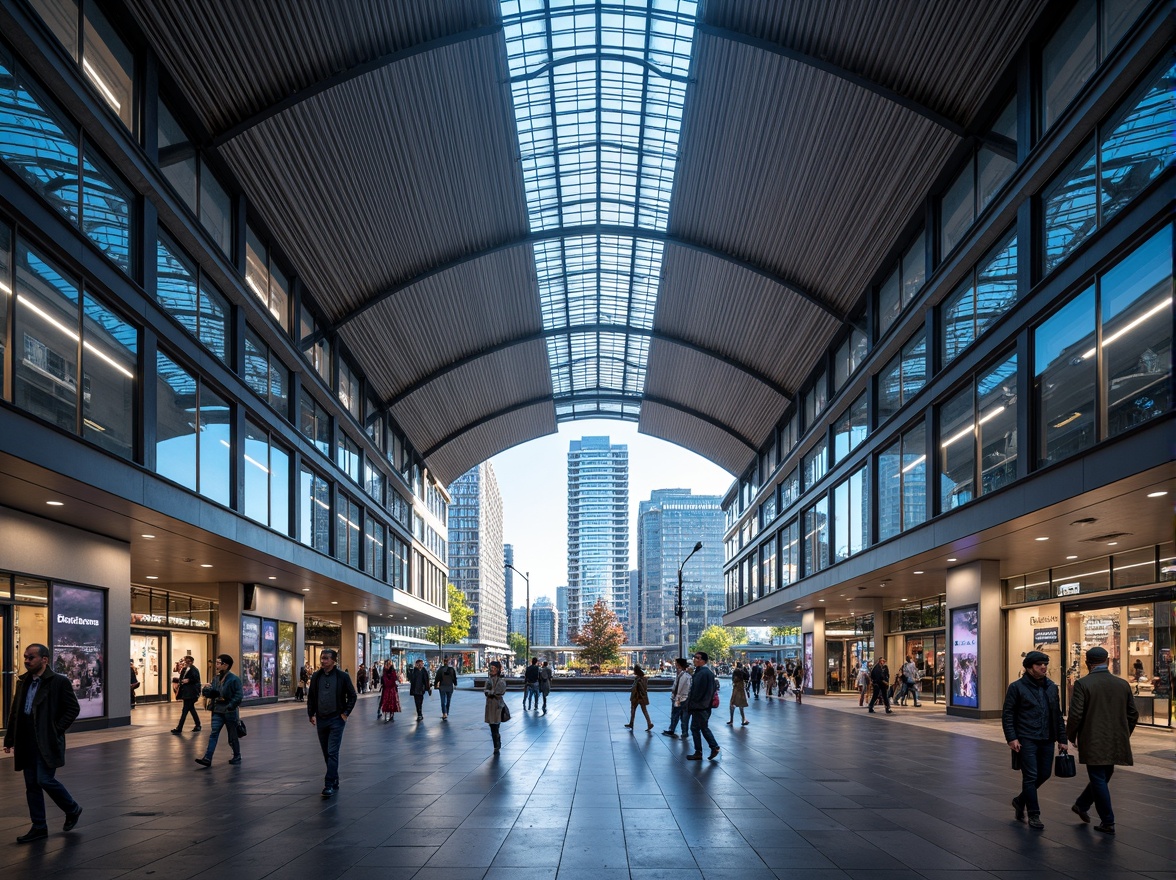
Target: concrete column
{"points": [[873, 606], [976, 585], [354, 622], [228, 634], [813, 621]]}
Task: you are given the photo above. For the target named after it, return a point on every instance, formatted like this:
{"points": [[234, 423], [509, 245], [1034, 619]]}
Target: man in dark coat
{"points": [[329, 700], [445, 681], [880, 679], [189, 693], [419, 684], [1101, 721], [757, 676], [225, 694], [1032, 722], [702, 693], [43, 708]]}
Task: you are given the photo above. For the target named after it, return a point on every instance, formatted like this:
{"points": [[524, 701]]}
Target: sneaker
{"points": [[1035, 821], [1105, 827], [1081, 813], [329, 791], [71, 819], [204, 762], [714, 753], [697, 756], [1020, 809]]}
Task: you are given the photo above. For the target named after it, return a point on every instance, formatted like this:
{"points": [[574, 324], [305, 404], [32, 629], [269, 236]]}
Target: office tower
{"points": [[598, 529], [518, 619], [561, 606], [635, 615], [669, 524], [476, 554], [508, 574], [544, 622]]}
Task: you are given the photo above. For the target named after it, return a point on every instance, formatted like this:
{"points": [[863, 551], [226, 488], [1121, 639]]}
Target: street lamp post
{"points": [[679, 609], [527, 624]]}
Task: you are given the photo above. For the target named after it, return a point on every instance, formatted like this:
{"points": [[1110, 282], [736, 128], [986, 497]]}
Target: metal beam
{"points": [[343, 76], [574, 232], [998, 143], [566, 398], [465, 360]]}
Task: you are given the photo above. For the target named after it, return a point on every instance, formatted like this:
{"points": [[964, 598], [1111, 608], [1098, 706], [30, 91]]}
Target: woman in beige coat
{"points": [[769, 678], [639, 696], [495, 691], [739, 679]]}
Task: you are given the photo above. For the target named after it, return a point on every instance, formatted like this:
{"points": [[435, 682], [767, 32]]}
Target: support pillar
{"points": [[813, 622], [355, 624], [975, 661]]}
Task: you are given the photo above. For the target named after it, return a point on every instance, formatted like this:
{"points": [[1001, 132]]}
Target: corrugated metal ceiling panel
{"points": [[696, 435], [454, 459]]}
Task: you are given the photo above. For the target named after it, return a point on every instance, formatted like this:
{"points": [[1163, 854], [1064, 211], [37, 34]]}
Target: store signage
{"points": [[1047, 636], [1070, 589], [79, 644], [170, 620]]}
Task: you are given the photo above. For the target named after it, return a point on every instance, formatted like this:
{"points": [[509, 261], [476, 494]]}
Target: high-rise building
{"points": [[635, 606], [544, 622], [476, 554], [508, 575], [561, 606], [669, 524], [518, 619], [598, 529]]}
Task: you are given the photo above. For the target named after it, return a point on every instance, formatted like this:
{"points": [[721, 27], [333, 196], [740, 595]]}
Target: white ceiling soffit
{"points": [[489, 438], [696, 435]]}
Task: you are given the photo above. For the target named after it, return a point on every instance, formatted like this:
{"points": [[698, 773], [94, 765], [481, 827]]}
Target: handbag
{"points": [[505, 712], [1064, 766], [242, 732]]}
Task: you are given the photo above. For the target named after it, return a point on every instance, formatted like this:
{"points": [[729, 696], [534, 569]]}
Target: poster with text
{"points": [[808, 660], [269, 658], [78, 618], [250, 668], [965, 647], [360, 638]]}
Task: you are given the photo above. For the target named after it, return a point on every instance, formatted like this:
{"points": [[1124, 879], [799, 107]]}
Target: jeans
{"points": [[189, 709], [1036, 768], [219, 720], [1098, 792], [330, 734], [446, 699], [909, 687], [531, 695], [700, 727], [680, 713], [881, 693], [40, 779]]}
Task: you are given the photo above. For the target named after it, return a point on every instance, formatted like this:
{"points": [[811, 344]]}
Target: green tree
{"points": [[779, 632], [461, 616], [738, 634], [518, 644], [600, 636], [715, 641]]}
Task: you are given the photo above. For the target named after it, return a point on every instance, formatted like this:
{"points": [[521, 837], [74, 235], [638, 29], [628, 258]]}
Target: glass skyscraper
{"points": [[598, 529], [476, 554]]}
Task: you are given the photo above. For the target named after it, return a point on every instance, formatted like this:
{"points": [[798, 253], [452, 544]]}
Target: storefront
{"points": [[1100, 603], [920, 630], [267, 658], [167, 626], [849, 643]]}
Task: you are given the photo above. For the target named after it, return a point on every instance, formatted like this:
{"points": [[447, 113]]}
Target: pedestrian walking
{"points": [[757, 677], [703, 688], [880, 679], [910, 682], [863, 684], [545, 676], [769, 679], [639, 697], [329, 701], [303, 681], [389, 693], [798, 681], [419, 684], [740, 679], [361, 679], [44, 705], [531, 685], [224, 694], [134, 683], [679, 697], [1101, 720], [1032, 722], [445, 681], [495, 691], [188, 692]]}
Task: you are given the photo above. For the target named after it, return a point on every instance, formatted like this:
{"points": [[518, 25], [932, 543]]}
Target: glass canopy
{"points": [[598, 89]]}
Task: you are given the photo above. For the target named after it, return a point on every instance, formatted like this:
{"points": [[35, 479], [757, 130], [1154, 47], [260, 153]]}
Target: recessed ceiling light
{"points": [[273, 577], [333, 602], [1071, 557], [904, 600], [55, 503], [951, 559], [1043, 538], [918, 572], [206, 565], [152, 577], [1112, 543], [1156, 494], [820, 600], [306, 589], [148, 537]]}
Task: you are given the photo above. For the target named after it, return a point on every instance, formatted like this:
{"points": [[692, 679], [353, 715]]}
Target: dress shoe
{"points": [[329, 791], [669, 733], [196, 729], [177, 731], [745, 723], [649, 728], [714, 753], [204, 762], [1020, 809], [1081, 813], [236, 760], [1105, 827], [628, 727], [697, 756], [729, 723], [33, 834], [889, 712], [1035, 821], [71, 819], [871, 711]]}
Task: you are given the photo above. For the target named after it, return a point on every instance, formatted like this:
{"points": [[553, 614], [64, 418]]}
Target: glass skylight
{"points": [[598, 89]]}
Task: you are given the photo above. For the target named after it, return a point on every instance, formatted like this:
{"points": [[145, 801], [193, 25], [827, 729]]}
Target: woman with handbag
{"points": [[639, 696], [389, 693], [495, 691]]}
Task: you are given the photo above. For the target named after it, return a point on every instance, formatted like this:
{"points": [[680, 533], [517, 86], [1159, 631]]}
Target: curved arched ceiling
{"points": [[517, 213]]}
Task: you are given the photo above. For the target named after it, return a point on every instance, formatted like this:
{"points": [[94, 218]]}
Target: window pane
{"points": [[109, 65], [46, 341], [315, 506], [62, 18], [216, 211], [914, 366], [39, 147], [841, 530], [996, 396], [5, 293], [109, 372], [255, 504], [1137, 335], [992, 170], [1065, 369], [175, 423], [816, 540], [1118, 16], [890, 389], [859, 512], [257, 267], [106, 213], [850, 429], [957, 462], [279, 305], [889, 302], [1069, 208], [177, 158], [959, 322], [996, 284], [914, 477], [957, 211], [279, 386], [280, 489], [914, 269], [214, 321], [816, 463], [790, 489], [1139, 144], [1067, 61], [256, 373], [889, 472], [175, 286], [215, 446]]}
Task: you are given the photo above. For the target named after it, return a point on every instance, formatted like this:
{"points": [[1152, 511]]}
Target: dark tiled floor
{"points": [[804, 792]]}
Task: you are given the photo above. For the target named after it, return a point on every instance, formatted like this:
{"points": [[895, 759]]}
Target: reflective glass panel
{"points": [[816, 537], [175, 423], [850, 429], [957, 210], [214, 320], [914, 477], [957, 452], [109, 372], [996, 284], [256, 372], [279, 489], [816, 463], [1069, 208], [889, 471], [216, 419], [1139, 143], [914, 269], [1065, 371], [216, 211], [1117, 18], [62, 18], [255, 504], [5, 301], [996, 397], [279, 305], [45, 337], [889, 301], [315, 511], [958, 316], [177, 158], [109, 65], [1067, 61], [106, 212]]}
